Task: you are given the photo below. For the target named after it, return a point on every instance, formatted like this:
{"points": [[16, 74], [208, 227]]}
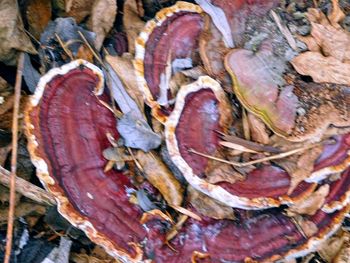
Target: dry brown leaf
{"points": [[331, 248], [125, 70], [12, 35], [132, 22], [258, 130], [337, 15], [208, 206], [85, 53], [22, 209], [329, 43], [344, 254], [307, 227], [322, 69], [311, 204], [334, 42], [98, 255], [38, 16], [160, 177], [304, 167], [221, 172], [101, 20], [310, 42], [78, 9]]}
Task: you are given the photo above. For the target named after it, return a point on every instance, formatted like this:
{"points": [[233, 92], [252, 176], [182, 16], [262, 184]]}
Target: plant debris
{"points": [[174, 131]]}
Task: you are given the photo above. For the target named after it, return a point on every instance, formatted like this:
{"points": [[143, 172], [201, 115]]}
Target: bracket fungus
{"points": [[265, 186], [248, 203], [66, 127], [164, 39]]}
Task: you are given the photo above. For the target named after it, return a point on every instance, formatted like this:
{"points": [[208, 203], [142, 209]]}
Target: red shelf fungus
{"points": [[299, 111], [335, 158], [164, 39], [339, 193], [264, 187], [201, 109], [66, 126], [259, 237]]}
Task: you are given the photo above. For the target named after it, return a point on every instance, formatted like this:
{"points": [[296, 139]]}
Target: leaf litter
{"points": [[328, 45]]}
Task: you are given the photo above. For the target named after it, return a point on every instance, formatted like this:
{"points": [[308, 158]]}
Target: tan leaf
{"points": [[311, 204], [337, 14], [304, 167], [334, 42], [125, 70], [310, 42], [322, 69], [258, 130], [307, 227], [208, 206], [221, 172], [331, 249], [78, 9], [12, 35], [132, 22], [160, 177], [38, 16], [344, 254], [101, 20]]}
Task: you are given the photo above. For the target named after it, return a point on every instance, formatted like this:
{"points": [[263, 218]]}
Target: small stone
{"points": [[301, 111], [304, 30]]}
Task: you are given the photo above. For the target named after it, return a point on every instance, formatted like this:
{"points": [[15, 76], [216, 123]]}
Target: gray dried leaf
{"points": [[30, 74], [144, 202], [219, 19], [137, 133], [61, 253], [120, 95], [179, 64]]}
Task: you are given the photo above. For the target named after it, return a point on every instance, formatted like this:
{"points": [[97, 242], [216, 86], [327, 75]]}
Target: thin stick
{"points": [[27, 189], [135, 160], [18, 85], [284, 30], [265, 159], [63, 45], [91, 49]]}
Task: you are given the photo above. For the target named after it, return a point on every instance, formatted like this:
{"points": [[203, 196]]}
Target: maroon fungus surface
{"points": [[70, 127], [264, 236], [196, 128], [339, 192], [334, 153], [172, 39]]}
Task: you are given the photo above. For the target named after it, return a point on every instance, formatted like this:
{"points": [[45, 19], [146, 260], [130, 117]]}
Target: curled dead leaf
{"points": [[38, 16], [160, 177], [101, 19], [304, 167], [12, 35], [208, 206], [132, 22], [78, 9], [258, 130], [311, 204], [124, 68], [322, 69]]}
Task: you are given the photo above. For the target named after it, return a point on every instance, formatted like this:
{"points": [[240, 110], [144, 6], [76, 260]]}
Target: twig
{"points": [[91, 49], [284, 30], [63, 45], [27, 189], [265, 159], [9, 234]]}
